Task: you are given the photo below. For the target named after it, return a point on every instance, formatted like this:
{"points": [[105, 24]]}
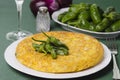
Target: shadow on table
{"points": [[94, 76]]}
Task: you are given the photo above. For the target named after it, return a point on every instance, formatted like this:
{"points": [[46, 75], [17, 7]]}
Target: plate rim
{"points": [[14, 63]]}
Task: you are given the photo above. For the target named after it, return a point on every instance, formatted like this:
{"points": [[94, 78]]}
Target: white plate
{"points": [[75, 29], [10, 58]]}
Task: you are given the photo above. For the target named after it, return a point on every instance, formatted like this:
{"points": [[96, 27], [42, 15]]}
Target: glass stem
{"points": [[19, 11], [19, 20]]}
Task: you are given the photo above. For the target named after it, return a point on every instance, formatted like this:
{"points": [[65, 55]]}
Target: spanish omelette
{"points": [[84, 52]]}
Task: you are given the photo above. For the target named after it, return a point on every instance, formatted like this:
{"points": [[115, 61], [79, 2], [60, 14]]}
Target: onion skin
{"points": [[64, 3], [35, 4], [52, 5]]}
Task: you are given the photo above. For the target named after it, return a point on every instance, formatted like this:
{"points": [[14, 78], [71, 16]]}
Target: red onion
{"points": [[35, 4], [52, 5], [64, 3]]}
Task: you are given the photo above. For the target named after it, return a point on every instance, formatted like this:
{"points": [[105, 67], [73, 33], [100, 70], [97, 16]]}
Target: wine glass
{"points": [[18, 34]]}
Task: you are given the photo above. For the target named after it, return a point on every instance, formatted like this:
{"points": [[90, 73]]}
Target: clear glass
{"points": [[18, 34]]}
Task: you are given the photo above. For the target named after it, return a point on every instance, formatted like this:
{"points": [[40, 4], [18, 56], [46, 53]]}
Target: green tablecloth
{"points": [[8, 22]]}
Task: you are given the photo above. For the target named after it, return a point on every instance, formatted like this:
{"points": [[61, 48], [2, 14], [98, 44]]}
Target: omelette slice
{"points": [[84, 52]]}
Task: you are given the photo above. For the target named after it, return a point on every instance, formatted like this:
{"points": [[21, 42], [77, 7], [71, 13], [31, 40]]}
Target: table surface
{"points": [[8, 22]]}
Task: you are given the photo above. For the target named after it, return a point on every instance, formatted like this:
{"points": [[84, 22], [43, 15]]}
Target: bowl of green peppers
{"points": [[89, 19]]}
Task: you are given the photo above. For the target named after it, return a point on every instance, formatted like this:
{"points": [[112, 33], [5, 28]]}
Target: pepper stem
{"points": [[45, 34], [38, 40]]}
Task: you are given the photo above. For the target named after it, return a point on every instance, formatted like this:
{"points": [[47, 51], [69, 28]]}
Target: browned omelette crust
{"points": [[84, 52]]}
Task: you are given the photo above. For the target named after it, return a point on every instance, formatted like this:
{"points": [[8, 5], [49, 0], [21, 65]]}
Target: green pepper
{"points": [[95, 14], [39, 47], [84, 6], [61, 16], [62, 51], [108, 10], [50, 49], [102, 25], [74, 8], [68, 16], [38, 40], [115, 26], [55, 41], [86, 25], [84, 15], [113, 16], [53, 53], [77, 8], [73, 23], [35, 46], [42, 48], [51, 46]]}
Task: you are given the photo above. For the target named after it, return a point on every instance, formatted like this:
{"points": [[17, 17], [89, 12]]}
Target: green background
{"points": [[8, 22]]}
